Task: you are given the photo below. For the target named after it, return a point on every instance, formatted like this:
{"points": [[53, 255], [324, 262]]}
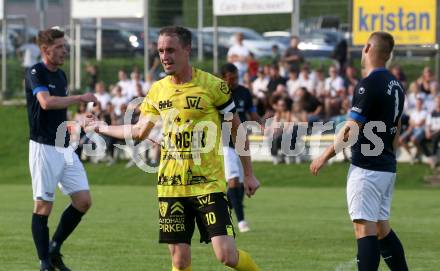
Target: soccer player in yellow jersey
{"points": [[191, 181]]}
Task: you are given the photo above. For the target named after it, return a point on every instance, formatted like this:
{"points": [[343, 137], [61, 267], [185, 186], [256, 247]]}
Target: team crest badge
{"points": [[224, 88], [163, 207]]}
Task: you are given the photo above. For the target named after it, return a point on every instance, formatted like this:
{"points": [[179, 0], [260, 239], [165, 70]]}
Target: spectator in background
{"points": [[416, 130], [79, 117], [238, 55], [293, 56], [149, 80], [276, 55], [339, 54], [118, 101], [279, 124], [154, 61], [309, 106], [427, 81], [412, 95], [281, 90], [350, 80], [247, 82], [133, 89], [123, 82], [293, 84], [432, 131], [320, 85], [397, 71], [29, 53], [275, 79], [259, 91], [334, 92], [102, 96], [259, 86], [91, 76], [252, 67], [266, 70], [305, 80]]}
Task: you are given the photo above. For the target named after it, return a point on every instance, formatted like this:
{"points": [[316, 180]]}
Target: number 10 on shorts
{"points": [[210, 218]]}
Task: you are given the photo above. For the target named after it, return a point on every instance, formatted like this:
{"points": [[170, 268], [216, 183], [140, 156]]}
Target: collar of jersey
{"points": [[187, 84], [382, 69], [44, 65]]}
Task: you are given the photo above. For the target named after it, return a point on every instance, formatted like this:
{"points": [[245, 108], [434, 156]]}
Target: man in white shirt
{"points": [[416, 129], [118, 101], [123, 82], [334, 92], [238, 55], [432, 131], [102, 96], [132, 90], [30, 53], [259, 86], [305, 80], [293, 84]]}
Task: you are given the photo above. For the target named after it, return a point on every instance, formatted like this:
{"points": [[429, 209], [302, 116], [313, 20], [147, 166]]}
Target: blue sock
{"points": [[392, 252], [235, 197], [40, 233], [68, 222], [368, 257]]}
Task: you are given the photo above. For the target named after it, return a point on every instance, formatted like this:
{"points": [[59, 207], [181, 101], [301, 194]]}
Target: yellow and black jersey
{"points": [[191, 163]]}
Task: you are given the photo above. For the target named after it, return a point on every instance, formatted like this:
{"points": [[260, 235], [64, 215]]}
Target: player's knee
{"points": [[181, 262], [83, 205], [228, 257], [42, 208]]}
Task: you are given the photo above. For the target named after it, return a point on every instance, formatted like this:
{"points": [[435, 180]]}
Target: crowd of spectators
{"points": [[286, 89]]}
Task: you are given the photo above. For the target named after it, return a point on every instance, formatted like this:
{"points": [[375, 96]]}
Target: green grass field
{"points": [[299, 222]]}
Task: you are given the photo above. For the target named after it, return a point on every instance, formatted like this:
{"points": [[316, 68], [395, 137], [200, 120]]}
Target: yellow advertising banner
{"points": [[411, 22]]}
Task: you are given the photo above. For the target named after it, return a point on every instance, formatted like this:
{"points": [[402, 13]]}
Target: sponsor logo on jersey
{"points": [[224, 88], [163, 207], [356, 109], [192, 102], [361, 90], [205, 200], [165, 104], [177, 208]]}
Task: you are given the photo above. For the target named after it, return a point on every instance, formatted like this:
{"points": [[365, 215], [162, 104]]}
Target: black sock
{"points": [[392, 252], [68, 222], [368, 257], [40, 233], [235, 196]]}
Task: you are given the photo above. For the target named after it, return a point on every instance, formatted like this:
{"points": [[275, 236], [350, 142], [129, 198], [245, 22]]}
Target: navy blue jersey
{"points": [[43, 124], [378, 97], [243, 104]]}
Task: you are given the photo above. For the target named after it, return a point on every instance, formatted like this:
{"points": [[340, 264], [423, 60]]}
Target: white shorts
{"points": [[369, 194], [233, 166], [49, 169]]}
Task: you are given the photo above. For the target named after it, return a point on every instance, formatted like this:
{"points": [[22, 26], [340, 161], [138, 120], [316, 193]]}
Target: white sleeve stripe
{"points": [[227, 108]]}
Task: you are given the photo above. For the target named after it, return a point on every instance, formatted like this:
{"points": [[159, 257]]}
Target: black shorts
{"points": [[177, 218]]}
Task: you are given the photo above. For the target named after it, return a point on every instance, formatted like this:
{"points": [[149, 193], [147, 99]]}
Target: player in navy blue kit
{"points": [[47, 101], [233, 169], [377, 107]]}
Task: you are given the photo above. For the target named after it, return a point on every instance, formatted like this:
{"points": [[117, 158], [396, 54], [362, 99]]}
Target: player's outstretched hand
{"points": [[316, 165], [88, 98], [251, 184], [90, 123]]}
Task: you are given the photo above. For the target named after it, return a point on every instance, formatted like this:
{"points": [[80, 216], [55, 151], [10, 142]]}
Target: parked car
{"points": [[116, 41], [259, 46], [10, 48], [315, 43]]}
